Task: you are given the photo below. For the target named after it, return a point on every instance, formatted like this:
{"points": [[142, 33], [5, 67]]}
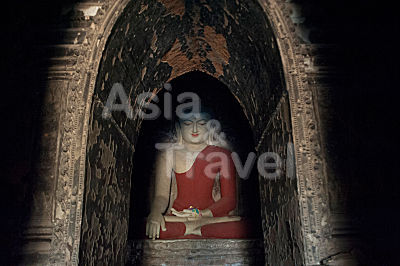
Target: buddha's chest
{"points": [[194, 182], [184, 161]]}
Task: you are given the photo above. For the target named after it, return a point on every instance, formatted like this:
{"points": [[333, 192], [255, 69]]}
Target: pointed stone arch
{"points": [[310, 183]]}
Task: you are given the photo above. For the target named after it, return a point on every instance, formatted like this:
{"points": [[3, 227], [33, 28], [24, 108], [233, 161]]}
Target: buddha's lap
{"points": [[235, 229], [245, 228]]}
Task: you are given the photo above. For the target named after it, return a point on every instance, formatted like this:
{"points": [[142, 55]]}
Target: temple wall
{"points": [[107, 194], [279, 195]]}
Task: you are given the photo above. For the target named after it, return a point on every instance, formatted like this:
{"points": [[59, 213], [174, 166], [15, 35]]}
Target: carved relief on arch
{"points": [[310, 166], [71, 167]]}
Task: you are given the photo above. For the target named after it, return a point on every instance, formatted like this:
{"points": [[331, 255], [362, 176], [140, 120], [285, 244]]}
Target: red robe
{"points": [[195, 189]]}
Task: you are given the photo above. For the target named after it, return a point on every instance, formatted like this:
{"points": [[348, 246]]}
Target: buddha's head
{"points": [[194, 129], [199, 128]]}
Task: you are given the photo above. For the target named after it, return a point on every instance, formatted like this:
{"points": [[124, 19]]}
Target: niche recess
{"points": [[153, 42]]}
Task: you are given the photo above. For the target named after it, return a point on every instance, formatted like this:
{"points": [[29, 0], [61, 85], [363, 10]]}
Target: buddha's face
{"points": [[194, 129]]}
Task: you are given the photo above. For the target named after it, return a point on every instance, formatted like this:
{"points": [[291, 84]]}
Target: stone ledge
{"points": [[196, 252]]}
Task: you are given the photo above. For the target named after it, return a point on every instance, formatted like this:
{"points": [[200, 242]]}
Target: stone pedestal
{"points": [[196, 252]]}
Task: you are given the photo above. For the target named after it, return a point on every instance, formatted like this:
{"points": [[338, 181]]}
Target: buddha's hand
{"points": [[154, 222], [185, 213], [192, 213]]}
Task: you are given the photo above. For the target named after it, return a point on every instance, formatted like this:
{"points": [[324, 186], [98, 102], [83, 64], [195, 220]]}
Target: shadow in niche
{"points": [[225, 108]]}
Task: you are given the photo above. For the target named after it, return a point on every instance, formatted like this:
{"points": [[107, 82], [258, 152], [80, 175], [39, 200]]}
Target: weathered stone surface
{"points": [[107, 197], [279, 196], [195, 252]]}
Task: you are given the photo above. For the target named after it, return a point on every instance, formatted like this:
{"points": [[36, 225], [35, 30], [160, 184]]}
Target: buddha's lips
{"points": [[195, 135]]}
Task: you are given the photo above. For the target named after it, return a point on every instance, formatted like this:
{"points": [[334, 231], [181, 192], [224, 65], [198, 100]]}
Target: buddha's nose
{"points": [[194, 127]]}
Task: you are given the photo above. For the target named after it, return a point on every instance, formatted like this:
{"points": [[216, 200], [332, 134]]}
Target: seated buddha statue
{"points": [[191, 167]]}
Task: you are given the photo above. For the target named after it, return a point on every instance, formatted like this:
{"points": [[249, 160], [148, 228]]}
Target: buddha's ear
{"points": [[178, 133], [211, 136], [214, 128]]}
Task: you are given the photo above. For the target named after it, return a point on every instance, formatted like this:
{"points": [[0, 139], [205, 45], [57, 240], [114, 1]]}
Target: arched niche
{"points": [[144, 44]]}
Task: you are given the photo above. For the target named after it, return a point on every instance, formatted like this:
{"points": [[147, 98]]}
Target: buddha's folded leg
{"points": [[193, 225], [215, 227], [235, 229], [176, 229]]}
